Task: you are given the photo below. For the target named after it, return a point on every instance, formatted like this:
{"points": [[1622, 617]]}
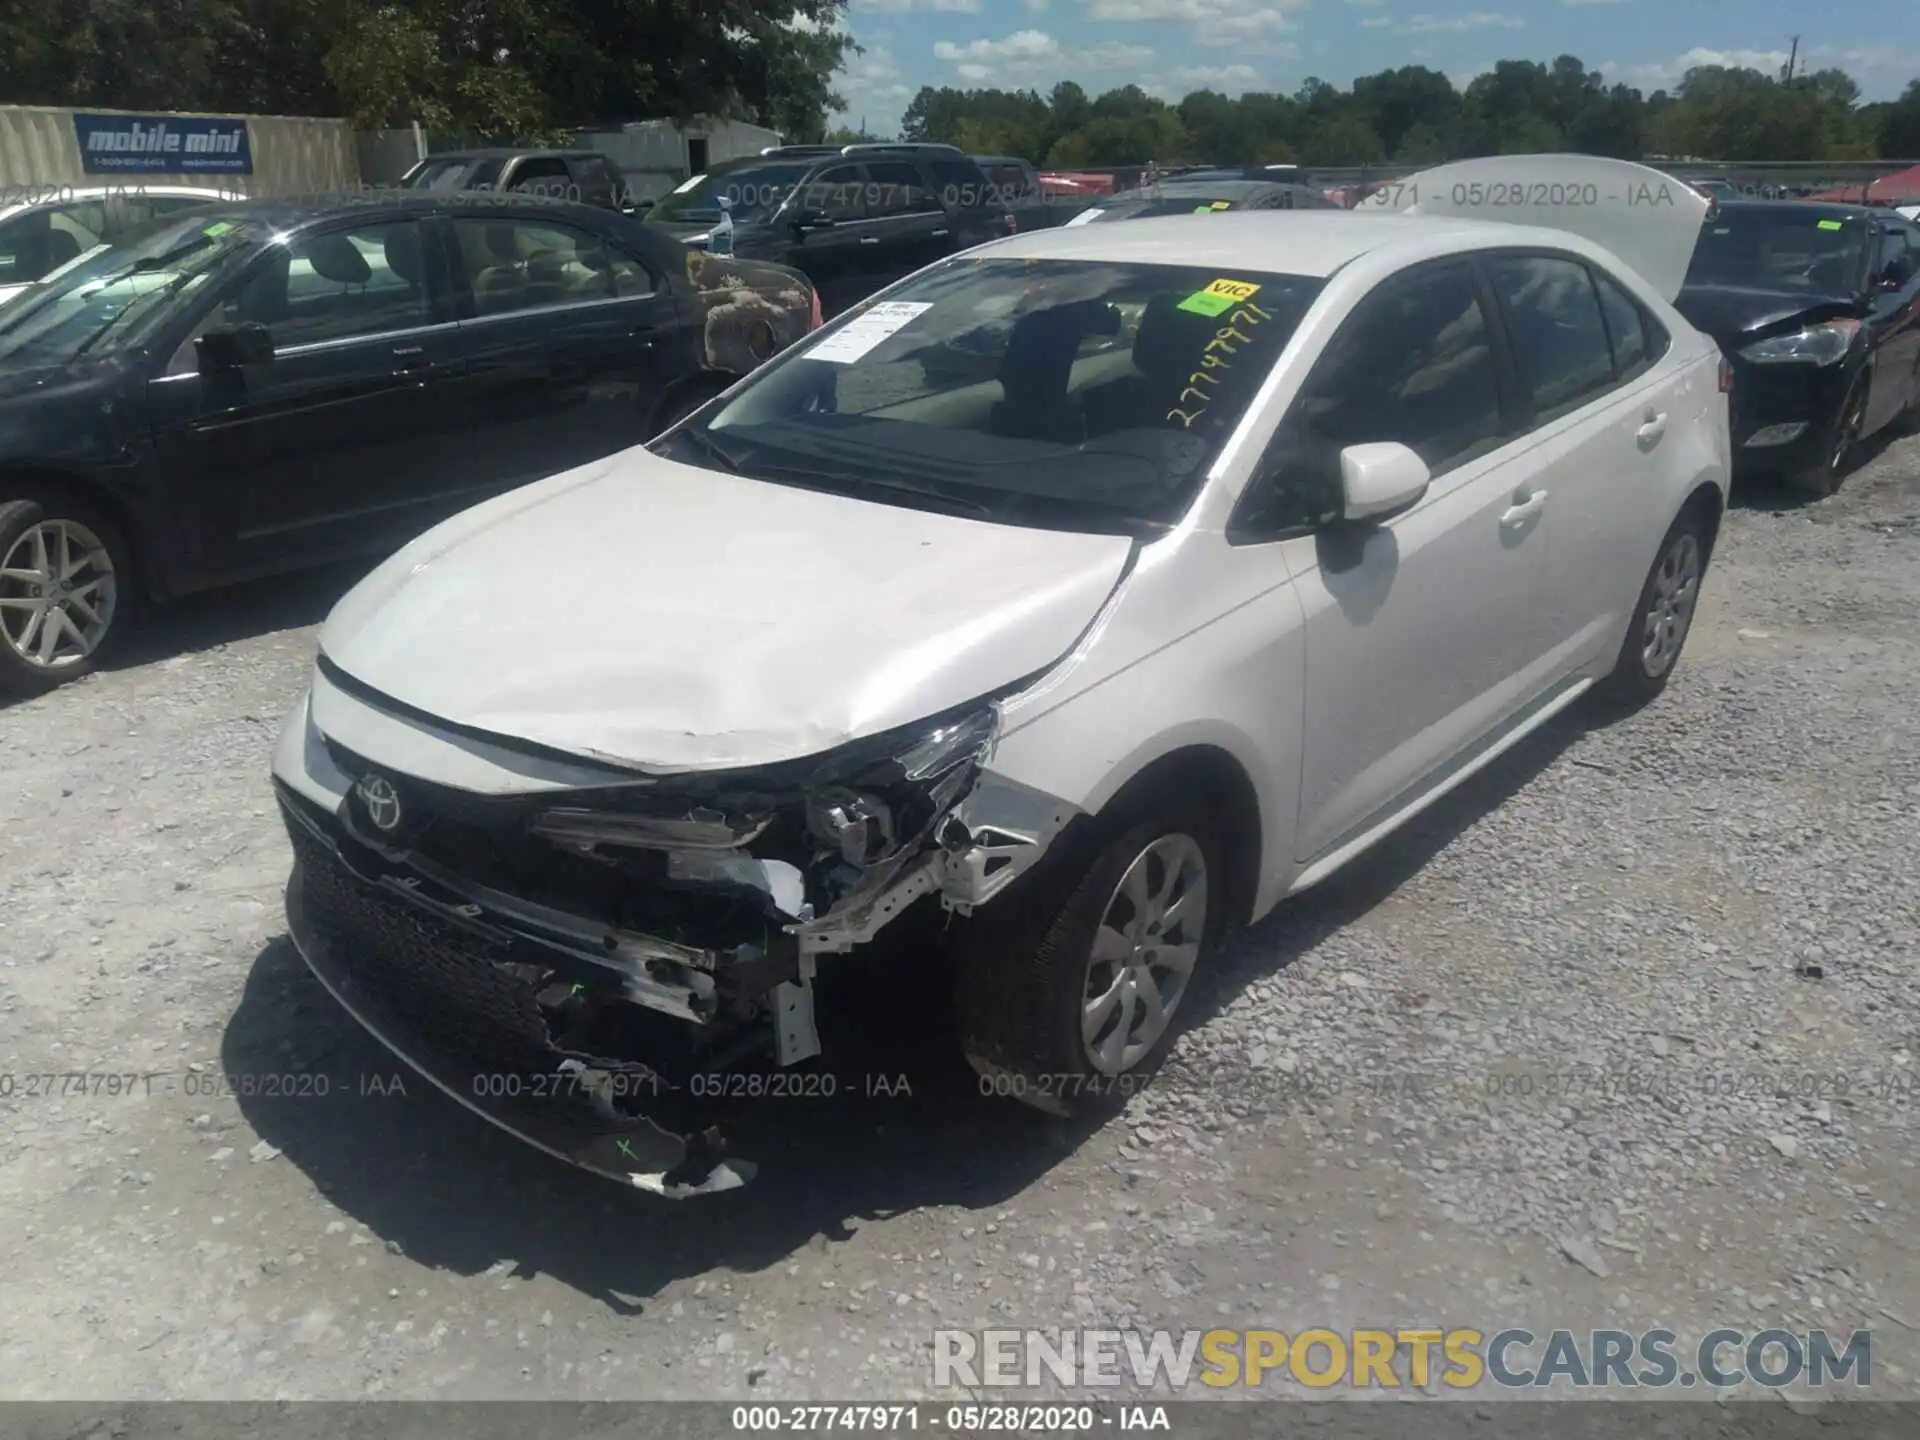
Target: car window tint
{"points": [[545, 175], [961, 182], [895, 187], [336, 285], [531, 264], [1011, 183], [1559, 338], [1414, 364], [839, 193], [1626, 327], [594, 173]]}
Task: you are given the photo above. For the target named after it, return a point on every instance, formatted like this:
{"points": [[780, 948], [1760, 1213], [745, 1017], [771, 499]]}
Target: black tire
{"points": [[1024, 963], [1641, 670], [1824, 475], [20, 668]]}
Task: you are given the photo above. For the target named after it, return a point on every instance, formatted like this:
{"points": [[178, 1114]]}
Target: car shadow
{"points": [[235, 613], [906, 1129], [1767, 493]]}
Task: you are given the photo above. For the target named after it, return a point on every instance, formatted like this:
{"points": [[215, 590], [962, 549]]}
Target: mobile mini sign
{"points": [[163, 145]]}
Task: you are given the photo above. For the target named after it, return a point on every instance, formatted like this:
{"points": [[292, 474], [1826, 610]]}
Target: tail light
{"points": [[1726, 376], [814, 322]]}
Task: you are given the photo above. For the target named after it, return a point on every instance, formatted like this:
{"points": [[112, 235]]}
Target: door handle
{"points": [[644, 336], [1524, 508], [1652, 428], [940, 234], [869, 239], [409, 357]]}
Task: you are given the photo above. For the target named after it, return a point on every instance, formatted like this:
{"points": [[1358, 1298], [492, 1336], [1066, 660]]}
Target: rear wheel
{"points": [[64, 590], [1663, 615], [1825, 474], [1067, 999]]}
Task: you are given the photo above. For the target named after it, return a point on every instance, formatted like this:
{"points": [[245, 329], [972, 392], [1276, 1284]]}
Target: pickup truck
{"points": [[1017, 188]]}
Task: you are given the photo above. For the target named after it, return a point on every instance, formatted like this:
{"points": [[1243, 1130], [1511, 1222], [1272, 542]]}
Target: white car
{"points": [[41, 234], [1103, 654]]}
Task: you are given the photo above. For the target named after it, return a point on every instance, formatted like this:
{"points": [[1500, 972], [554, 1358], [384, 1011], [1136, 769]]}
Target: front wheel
{"points": [[1824, 475], [1663, 615], [1067, 1000], [63, 592]]}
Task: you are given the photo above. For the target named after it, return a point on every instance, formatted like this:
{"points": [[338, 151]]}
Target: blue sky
{"points": [[1173, 46]]}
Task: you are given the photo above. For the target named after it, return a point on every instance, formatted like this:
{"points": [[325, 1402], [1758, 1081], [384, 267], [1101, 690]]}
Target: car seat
{"points": [[499, 284], [60, 246], [336, 258], [401, 250], [1167, 350], [1035, 368]]}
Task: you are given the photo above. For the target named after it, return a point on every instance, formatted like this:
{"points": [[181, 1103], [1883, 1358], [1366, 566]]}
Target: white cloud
{"points": [[1881, 70], [951, 7], [872, 88], [1035, 7], [1034, 54], [1376, 22], [1458, 24], [1224, 78], [1238, 30], [1197, 12]]}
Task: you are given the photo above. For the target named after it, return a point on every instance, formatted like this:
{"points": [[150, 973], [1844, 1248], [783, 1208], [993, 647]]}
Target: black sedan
{"points": [[1190, 193], [286, 384], [1818, 309]]}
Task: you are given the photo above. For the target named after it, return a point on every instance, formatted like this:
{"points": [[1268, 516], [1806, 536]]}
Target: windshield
{"points": [[111, 298], [755, 191], [1069, 394], [1788, 248]]}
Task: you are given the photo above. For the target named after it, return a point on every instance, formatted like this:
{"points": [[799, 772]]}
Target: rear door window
{"points": [[1561, 348], [895, 187], [838, 192], [536, 264]]}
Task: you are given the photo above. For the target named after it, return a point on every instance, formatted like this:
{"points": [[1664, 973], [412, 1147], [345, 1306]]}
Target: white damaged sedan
{"points": [[1101, 586]]}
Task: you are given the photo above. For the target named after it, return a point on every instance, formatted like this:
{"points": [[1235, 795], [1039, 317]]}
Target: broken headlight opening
{"points": [[808, 837]]}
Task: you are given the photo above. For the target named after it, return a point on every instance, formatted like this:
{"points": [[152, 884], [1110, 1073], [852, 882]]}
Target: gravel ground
{"points": [[1621, 1034]]}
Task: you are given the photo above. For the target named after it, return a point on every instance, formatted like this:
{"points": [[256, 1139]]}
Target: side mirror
{"points": [[230, 347], [1378, 479]]}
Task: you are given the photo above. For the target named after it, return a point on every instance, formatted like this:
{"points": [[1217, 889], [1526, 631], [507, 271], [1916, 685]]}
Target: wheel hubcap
{"points": [[1144, 953], [57, 594], [1676, 585]]}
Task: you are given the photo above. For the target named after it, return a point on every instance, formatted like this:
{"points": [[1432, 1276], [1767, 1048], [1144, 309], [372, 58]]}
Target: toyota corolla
{"points": [[1265, 532]]}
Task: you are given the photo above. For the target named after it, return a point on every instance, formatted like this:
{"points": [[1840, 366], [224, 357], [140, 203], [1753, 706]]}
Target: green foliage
{"points": [[519, 69], [1415, 116]]}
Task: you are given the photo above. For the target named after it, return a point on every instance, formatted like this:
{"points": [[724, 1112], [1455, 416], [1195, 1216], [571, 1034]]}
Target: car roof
{"points": [[286, 212], [1816, 207], [1313, 243], [506, 152], [73, 195]]}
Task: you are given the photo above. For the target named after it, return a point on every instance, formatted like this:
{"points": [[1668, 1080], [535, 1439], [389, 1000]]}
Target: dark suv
{"points": [[585, 177], [853, 218]]}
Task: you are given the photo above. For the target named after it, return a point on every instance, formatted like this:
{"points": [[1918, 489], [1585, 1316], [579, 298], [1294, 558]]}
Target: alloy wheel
{"points": [[1143, 953], [1676, 586], [57, 594]]}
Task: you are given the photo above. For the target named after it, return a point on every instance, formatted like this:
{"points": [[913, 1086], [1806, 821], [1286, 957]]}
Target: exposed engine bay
{"points": [[597, 948]]}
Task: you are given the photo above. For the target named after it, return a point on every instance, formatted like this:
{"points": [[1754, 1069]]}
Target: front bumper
{"points": [[472, 1006], [1770, 401]]}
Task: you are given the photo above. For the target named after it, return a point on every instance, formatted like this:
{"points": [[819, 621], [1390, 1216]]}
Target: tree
{"points": [[1899, 127]]}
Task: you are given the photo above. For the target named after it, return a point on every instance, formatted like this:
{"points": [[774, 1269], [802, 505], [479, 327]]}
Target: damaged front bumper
{"points": [[570, 964]]}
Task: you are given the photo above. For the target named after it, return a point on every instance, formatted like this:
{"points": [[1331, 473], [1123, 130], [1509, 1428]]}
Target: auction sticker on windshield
{"points": [[1829, 224], [864, 332], [1219, 297]]}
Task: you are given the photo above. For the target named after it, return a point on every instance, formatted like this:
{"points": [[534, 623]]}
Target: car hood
{"points": [[1734, 312], [659, 616]]}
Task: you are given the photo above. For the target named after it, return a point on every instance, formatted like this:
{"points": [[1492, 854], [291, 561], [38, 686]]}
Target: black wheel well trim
{"points": [[1706, 502], [20, 481], [1229, 797]]}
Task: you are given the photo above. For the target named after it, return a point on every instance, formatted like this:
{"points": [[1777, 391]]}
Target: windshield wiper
{"points": [[711, 448], [841, 482]]}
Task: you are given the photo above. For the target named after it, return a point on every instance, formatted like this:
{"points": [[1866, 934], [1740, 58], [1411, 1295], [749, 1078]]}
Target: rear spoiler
{"points": [[1649, 220]]}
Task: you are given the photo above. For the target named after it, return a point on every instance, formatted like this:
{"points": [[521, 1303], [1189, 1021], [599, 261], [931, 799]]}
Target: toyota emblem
{"points": [[382, 802]]}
